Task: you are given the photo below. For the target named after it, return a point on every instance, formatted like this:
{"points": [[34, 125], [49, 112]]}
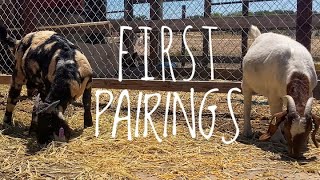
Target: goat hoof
{"points": [[7, 122], [248, 134], [30, 133], [26, 133], [88, 124]]}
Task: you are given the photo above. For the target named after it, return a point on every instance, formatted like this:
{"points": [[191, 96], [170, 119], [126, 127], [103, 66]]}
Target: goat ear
{"points": [[265, 137], [271, 130], [274, 124], [51, 107], [316, 121], [37, 102]]}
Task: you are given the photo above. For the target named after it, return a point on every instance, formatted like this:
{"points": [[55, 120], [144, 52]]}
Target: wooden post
{"points": [[128, 35], [244, 35], [155, 14], [205, 44], [304, 22]]}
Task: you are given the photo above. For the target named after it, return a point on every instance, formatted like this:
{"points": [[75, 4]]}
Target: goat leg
{"points": [[14, 93], [86, 100]]}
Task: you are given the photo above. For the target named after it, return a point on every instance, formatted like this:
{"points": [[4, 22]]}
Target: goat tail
{"points": [[5, 38], [254, 31]]}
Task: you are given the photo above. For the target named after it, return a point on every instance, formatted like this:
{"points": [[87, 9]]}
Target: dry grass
{"points": [[177, 157]]}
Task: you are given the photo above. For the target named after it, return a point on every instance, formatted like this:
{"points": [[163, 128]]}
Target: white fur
{"points": [[267, 68], [297, 127], [255, 32], [63, 63]]}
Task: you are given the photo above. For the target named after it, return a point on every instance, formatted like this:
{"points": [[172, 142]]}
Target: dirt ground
{"points": [[176, 157]]}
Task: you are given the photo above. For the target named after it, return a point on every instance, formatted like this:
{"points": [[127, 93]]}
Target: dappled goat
{"points": [[47, 62]]}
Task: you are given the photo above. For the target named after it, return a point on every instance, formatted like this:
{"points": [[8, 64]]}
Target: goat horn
{"points": [[308, 108], [291, 105], [37, 100], [51, 106]]}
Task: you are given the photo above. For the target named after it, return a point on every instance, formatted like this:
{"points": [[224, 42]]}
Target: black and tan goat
{"points": [[49, 63]]}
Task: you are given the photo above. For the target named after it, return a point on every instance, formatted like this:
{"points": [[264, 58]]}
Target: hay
{"points": [[88, 157]]}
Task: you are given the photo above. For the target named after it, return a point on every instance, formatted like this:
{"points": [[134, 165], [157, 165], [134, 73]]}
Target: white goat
{"points": [[277, 66]]}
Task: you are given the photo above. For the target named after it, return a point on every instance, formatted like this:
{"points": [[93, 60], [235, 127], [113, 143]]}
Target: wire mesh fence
{"points": [[100, 42]]}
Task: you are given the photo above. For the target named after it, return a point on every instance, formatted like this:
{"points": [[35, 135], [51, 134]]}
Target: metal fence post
{"points": [[205, 42], [244, 35], [155, 14], [183, 16], [128, 35], [304, 22]]}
